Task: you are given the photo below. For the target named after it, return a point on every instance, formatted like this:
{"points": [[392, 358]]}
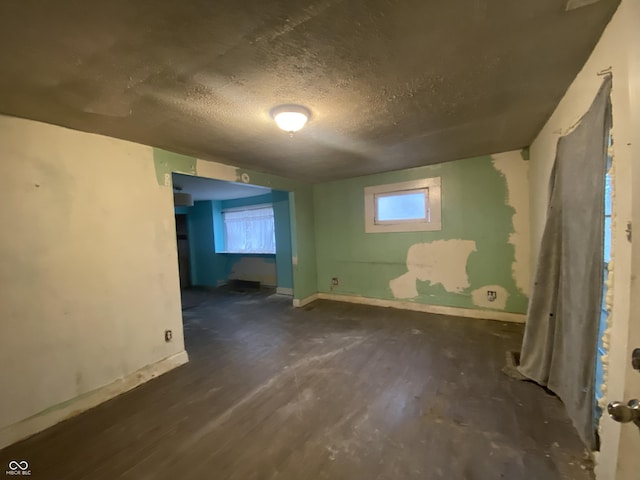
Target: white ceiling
{"points": [[209, 189]]}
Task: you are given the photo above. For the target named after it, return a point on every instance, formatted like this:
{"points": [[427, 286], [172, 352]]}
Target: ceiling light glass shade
{"points": [[290, 118]]}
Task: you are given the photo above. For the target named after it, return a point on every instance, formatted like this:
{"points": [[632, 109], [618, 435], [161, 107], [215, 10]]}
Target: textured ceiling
{"points": [[391, 83]]}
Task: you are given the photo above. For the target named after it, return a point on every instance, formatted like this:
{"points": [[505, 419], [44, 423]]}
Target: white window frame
{"points": [[432, 192]]}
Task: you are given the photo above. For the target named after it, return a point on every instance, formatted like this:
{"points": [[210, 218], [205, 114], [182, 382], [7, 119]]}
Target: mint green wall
{"points": [[282, 220], [474, 207], [166, 163], [304, 243]]}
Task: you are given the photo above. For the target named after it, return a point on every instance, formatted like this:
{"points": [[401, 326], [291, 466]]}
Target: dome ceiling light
{"points": [[290, 118]]}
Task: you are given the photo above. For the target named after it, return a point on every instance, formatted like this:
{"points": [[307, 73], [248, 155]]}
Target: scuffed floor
{"points": [[331, 391]]}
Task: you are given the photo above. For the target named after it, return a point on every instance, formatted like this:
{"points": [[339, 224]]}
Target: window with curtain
{"points": [[249, 230]]}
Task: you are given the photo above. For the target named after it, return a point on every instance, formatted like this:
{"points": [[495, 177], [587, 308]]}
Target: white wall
{"points": [[619, 44], [88, 273]]}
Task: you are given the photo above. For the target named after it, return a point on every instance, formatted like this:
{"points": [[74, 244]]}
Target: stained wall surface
{"points": [[88, 272]]}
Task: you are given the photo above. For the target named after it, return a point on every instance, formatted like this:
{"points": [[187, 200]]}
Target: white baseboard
{"points": [[422, 307], [52, 415], [297, 302], [284, 291]]}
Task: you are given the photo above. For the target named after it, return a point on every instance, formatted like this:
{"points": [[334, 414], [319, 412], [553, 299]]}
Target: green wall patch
{"points": [[168, 162]]}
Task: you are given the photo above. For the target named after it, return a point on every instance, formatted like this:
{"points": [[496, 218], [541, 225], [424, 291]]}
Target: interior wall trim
{"points": [[418, 307]]}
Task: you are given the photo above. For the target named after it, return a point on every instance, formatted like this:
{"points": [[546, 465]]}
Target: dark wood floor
{"points": [[331, 391]]}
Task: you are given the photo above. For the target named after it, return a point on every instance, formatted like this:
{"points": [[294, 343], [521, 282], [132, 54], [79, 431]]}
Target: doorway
{"points": [[184, 257], [233, 233]]}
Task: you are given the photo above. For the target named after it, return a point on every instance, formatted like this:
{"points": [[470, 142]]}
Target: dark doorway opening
{"points": [[182, 239]]}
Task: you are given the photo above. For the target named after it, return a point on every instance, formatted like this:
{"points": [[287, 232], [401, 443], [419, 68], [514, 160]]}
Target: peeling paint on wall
{"points": [[475, 207], [167, 163], [481, 298], [441, 262], [516, 172]]}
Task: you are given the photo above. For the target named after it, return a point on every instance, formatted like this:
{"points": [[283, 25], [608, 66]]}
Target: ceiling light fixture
{"points": [[290, 118]]}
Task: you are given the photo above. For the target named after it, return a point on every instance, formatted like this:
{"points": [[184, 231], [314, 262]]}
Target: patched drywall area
{"points": [[89, 273], [490, 296], [443, 262], [515, 168], [255, 268], [478, 260]]}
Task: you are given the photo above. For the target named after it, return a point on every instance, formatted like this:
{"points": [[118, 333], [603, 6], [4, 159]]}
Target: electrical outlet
{"points": [[168, 335], [492, 295], [334, 281]]}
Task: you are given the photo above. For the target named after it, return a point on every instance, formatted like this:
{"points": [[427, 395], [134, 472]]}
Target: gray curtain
{"points": [[560, 340]]}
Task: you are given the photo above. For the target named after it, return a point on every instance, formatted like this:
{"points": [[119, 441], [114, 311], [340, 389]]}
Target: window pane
{"points": [[401, 206], [607, 195], [607, 239], [250, 231]]}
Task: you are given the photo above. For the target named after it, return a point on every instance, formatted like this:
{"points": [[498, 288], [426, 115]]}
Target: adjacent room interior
{"points": [[234, 234], [320, 239]]}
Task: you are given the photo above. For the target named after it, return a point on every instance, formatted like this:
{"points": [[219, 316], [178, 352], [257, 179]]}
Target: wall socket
{"points": [[492, 295], [334, 281], [168, 335]]}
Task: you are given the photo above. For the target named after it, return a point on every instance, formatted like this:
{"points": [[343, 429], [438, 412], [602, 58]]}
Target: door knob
{"points": [[625, 413], [635, 359]]}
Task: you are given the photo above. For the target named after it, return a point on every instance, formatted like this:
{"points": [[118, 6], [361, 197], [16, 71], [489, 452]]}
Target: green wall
{"points": [[329, 239], [474, 207], [282, 219]]}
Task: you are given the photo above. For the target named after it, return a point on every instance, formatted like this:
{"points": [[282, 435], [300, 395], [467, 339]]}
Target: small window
{"points": [[249, 230], [403, 207], [408, 206]]}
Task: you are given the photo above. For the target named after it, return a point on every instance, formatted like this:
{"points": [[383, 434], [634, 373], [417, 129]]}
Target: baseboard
{"points": [[284, 291], [49, 417], [423, 307], [301, 302]]}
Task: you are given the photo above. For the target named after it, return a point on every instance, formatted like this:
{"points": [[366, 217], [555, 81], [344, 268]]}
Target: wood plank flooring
{"points": [[331, 391]]}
